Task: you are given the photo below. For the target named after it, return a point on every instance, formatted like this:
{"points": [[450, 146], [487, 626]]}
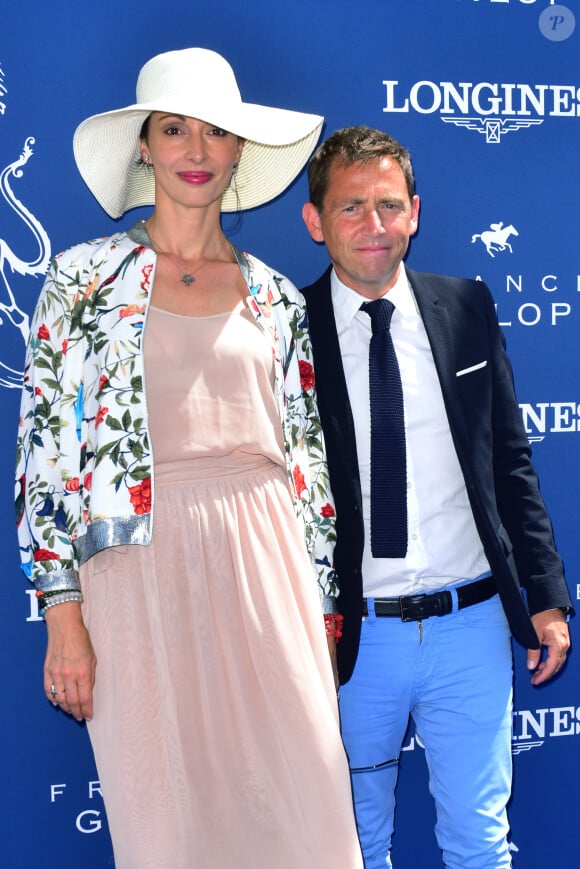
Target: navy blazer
{"points": [[494, 453]]}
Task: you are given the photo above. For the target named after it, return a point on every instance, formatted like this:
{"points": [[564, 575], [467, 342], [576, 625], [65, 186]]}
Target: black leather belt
{"points": [[440, 603]]}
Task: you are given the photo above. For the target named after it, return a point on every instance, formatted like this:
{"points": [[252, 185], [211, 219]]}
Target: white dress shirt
{"points": [[444, 546]]}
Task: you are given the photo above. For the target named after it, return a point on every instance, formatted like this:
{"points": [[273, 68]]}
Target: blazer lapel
{"points": [[438, 327]]}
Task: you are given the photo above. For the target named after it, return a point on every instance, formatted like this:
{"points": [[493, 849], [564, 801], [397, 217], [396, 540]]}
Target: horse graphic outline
{"points": [[496, 237], [11, 314]]}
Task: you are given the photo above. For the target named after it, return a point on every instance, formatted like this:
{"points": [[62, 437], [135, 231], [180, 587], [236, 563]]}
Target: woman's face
{"points": [[193, 161]]}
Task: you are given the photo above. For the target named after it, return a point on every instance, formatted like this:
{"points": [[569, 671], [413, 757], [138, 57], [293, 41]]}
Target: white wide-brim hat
{"points": [[197, 83]]}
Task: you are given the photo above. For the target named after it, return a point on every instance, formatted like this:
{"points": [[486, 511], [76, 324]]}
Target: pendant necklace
{"points": [[187, 277]]}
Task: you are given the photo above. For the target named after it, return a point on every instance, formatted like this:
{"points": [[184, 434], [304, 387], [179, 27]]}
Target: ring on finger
{"points": [[54, 692]]}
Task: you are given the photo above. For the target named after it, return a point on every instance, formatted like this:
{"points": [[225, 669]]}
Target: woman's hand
{"points": [[70, 663]]}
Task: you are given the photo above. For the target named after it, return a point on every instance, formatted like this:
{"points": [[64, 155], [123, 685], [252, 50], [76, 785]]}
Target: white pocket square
{"points": [[471, 368]]}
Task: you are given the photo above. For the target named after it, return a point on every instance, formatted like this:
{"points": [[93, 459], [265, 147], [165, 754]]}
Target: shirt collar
{"points": [[347, 302]]}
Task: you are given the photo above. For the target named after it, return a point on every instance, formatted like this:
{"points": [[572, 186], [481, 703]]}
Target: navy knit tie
{"points": [[388, 457]]}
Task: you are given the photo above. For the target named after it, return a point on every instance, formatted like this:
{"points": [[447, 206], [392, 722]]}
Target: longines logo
{"points": [[558, 417], [490, 108], [532, 727]]}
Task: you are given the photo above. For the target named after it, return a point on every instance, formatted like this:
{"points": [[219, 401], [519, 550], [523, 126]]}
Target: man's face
{"points": [[366, 222]]}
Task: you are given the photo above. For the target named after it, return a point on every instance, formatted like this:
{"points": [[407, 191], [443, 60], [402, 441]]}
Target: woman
{"points": [[169, 375]]}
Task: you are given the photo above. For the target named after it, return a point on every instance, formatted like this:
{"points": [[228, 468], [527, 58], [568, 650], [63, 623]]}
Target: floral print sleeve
{"points": [[82, 408], [306, 442], [47, 481]]}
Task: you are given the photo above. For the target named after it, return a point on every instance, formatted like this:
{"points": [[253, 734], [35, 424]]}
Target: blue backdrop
{"points": [[486, 94]]}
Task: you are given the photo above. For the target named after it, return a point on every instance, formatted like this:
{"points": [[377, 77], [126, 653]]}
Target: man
{"points": [[426, 627]]}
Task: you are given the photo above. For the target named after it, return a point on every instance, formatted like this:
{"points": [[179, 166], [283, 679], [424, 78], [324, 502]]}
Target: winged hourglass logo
{"points": [[12, 315]]}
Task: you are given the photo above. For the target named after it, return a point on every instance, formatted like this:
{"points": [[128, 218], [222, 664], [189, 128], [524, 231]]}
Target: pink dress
{"points": [[215, 730]]}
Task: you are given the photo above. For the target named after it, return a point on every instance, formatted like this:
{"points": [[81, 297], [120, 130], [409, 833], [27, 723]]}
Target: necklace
{"points": [[187, 277]]}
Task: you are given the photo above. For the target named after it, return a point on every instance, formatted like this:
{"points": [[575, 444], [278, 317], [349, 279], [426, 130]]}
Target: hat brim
{"points": [[278, 144]]}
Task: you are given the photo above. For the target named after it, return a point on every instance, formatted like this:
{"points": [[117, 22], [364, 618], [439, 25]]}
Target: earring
{"points": [[233, 178], [147, 160]]}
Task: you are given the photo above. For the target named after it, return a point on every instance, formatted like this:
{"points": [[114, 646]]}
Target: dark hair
{"points": [[354, 145], [143, 135], [145, 128]]}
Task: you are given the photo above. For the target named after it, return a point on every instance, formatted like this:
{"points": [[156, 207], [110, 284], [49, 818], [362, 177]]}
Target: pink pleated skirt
{"points": [[215, 730]]}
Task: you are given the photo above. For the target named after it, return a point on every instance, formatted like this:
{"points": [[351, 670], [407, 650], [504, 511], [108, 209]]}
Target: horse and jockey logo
{"points": [[12, 316], [496, 237]]}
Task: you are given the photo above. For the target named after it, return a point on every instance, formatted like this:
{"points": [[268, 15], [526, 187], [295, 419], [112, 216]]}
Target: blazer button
{"points": [[355, 507]]}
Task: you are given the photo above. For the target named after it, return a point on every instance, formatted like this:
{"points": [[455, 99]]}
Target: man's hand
{"points": [[552, 630]]}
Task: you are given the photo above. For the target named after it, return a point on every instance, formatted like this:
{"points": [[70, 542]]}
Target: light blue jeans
{"points": [[453, 675]]}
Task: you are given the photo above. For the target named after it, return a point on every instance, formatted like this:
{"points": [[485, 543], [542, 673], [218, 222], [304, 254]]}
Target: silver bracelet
{"points": [[62, 597]]}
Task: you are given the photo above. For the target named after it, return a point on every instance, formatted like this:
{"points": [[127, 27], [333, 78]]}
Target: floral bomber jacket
{"points": [[84, 468]]}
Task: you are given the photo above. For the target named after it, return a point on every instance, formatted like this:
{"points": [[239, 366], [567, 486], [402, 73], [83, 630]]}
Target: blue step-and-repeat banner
{"points": [[486, 94]]}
